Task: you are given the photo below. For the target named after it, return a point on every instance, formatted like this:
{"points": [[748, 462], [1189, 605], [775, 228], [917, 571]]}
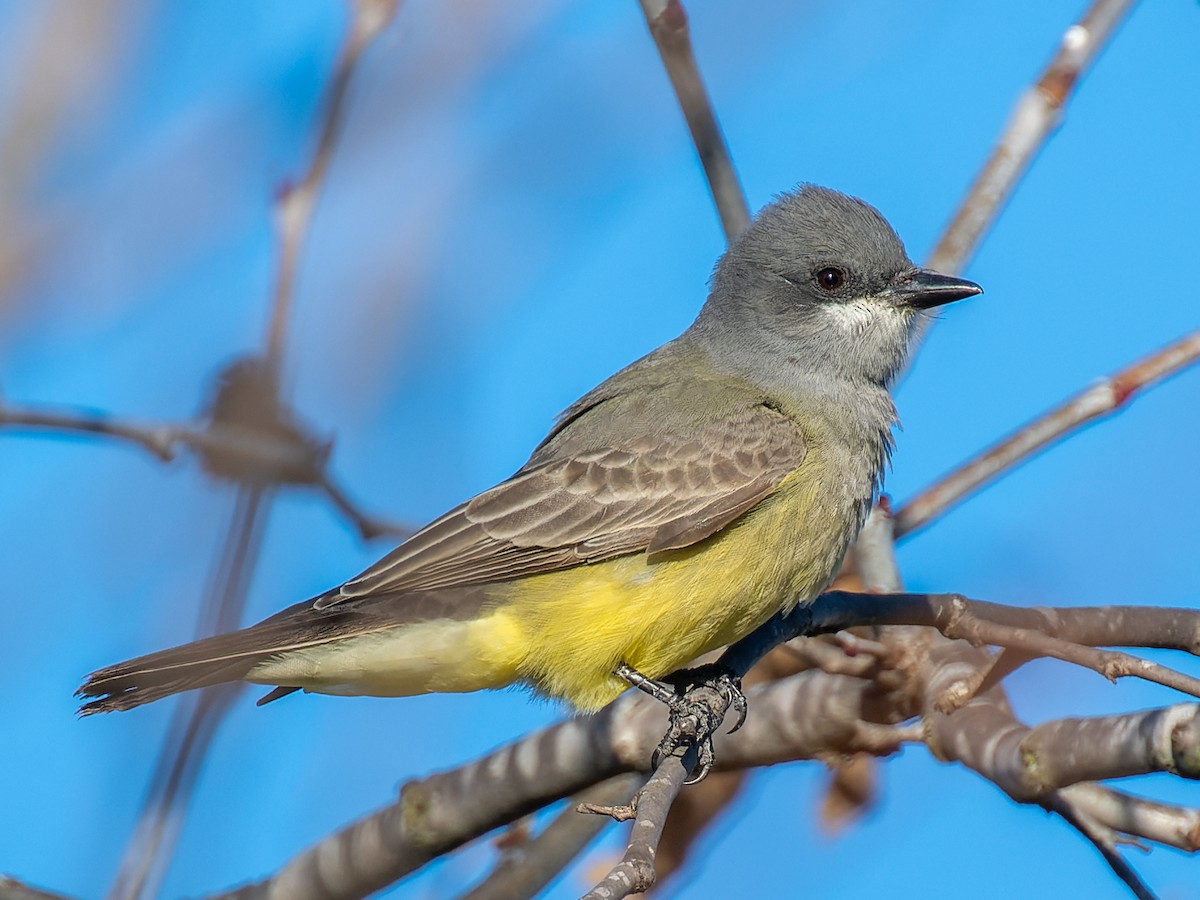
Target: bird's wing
{"points": [[651, 493]]}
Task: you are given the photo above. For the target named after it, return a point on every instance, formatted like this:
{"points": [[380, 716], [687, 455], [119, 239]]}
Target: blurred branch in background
{"points": [[283, 452], [249, 437], [296, 202], [194, 721], [70, 55], [248, 398]]}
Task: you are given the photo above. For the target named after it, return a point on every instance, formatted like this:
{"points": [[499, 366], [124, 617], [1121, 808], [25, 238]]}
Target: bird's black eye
{"points": [[831, 278]]}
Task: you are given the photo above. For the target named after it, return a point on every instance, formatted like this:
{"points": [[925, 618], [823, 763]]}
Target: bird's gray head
{"points": [[820, 282]]}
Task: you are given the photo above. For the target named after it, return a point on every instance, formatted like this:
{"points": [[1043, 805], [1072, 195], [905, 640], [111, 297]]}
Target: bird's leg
{"points": [[663, 693], [698, 700]]}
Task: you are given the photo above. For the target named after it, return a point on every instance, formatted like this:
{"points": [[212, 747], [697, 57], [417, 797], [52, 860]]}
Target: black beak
{"points": [[923, 289]]}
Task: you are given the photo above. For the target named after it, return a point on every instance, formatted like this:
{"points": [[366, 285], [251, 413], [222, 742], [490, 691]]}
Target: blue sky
{"points": [[514, 212]]}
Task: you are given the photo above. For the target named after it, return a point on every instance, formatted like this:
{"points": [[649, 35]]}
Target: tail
{"points": [[213, 660], [231, 657]]}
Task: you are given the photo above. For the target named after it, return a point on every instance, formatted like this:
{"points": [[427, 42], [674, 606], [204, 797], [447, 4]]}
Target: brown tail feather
{"points": [[209, 661], [230, 657]]}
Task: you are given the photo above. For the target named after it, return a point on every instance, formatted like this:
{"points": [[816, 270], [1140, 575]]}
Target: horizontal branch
{"points": [[271, 457], [160, 439], [814, 714], [982, 622]]}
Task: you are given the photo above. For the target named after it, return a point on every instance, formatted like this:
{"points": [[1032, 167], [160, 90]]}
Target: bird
{"points": [[711, 484]]}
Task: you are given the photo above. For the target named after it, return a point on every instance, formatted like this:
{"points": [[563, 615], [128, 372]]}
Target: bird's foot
{"points": [[698, 700]]}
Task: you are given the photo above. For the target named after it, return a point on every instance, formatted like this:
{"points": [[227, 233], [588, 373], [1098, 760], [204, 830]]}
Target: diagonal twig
{"points": [[194, 724], [1104, 841], [1107, 396], [525, 871], [668, 24], [296, 202], [635, 874], [1037, 113]]}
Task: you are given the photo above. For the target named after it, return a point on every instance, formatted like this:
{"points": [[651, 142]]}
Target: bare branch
{"points": [[668, 24], [981, 623], [1172, 826], [159, 439], [1103, 840], [271, 456], [525, 871], [195, 724], [1037, 113], [368, 527], [875, 551], [1109, 395], [1112, 664], [635, 873], [295, 204]]}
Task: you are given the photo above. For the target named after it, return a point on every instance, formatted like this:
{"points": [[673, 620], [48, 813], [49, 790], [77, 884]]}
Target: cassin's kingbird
{"points": [[670, 511]]}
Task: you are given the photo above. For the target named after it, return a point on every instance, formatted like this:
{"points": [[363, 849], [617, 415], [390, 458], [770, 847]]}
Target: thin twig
{"points": [[1112, 664], [1109, 395], [276, 459], [525, 871], [1101, 838], [295, 204], [635, 874], [1137, 817], [1038, 112], [159, 439], [368, 527], [668, 24], [144, 863]]}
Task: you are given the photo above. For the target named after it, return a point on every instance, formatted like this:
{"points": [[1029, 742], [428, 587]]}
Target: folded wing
{"points": [[654, 492]]}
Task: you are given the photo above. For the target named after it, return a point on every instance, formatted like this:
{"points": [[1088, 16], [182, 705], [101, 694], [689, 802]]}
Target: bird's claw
{"points": [[720, 679], [690, 724], [701, 700]]}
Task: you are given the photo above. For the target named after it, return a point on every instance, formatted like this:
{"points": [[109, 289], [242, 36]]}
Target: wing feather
{"points": [[653, 492]]}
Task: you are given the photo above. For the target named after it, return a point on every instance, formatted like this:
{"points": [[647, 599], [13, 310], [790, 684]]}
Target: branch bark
{"points": [[668, 24], [1109, 395], [1037, 114]]}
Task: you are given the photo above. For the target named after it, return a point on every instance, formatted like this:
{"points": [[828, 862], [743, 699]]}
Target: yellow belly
{"points": [[565, 632], [578, 625]]}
